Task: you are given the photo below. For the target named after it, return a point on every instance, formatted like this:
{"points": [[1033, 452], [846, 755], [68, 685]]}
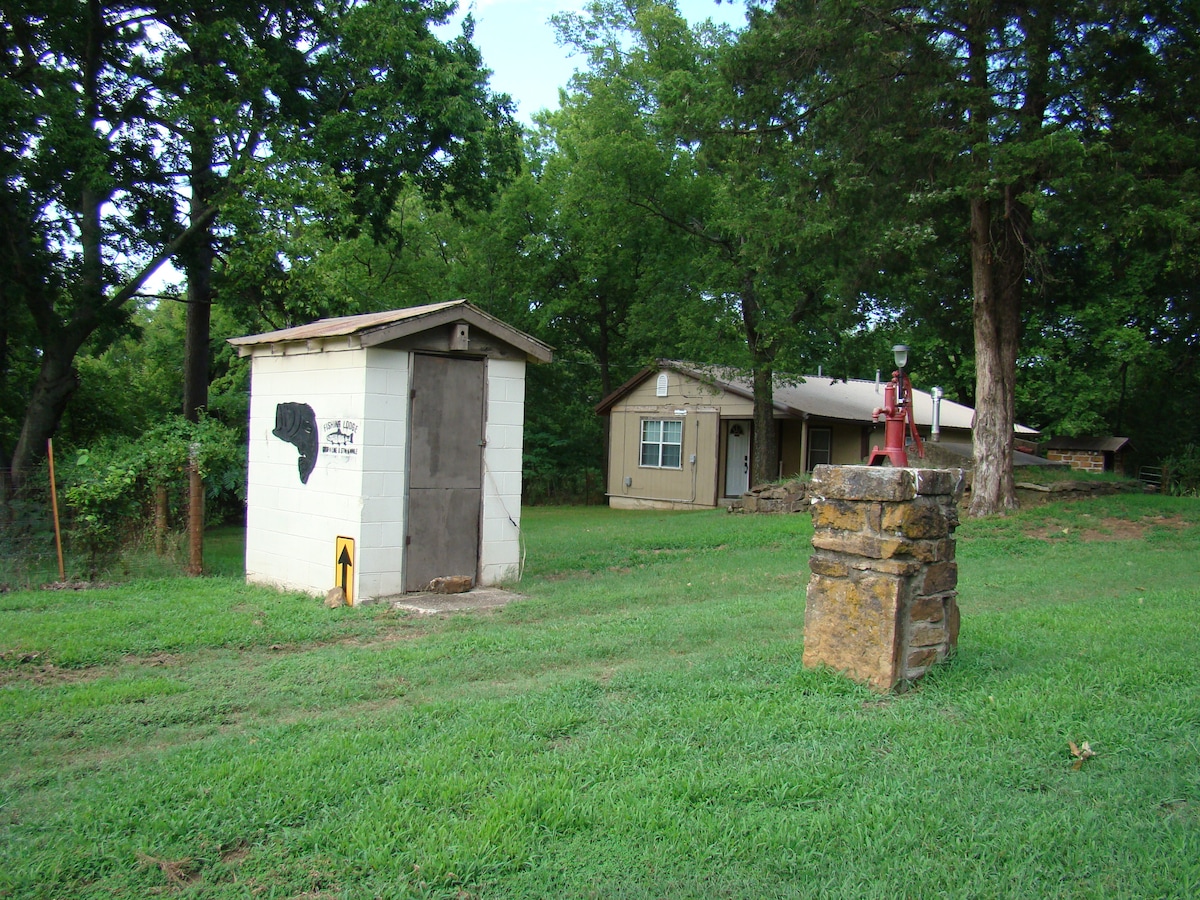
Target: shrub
{"points": [[111, 487], [1181, 472]]}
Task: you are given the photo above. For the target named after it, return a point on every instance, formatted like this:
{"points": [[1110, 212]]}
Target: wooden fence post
{"points": [[62, 574], [195, 513]]}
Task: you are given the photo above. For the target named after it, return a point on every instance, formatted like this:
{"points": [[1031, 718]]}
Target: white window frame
{"points": [[659, 443]]}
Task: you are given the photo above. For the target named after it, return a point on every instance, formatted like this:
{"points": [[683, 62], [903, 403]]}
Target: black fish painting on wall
{"points": [[296, 423]]}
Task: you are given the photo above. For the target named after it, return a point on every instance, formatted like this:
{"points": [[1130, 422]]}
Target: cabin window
{"points": [[820, 447], [662, 443]]}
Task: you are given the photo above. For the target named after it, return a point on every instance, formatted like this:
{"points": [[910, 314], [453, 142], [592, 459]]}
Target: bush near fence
{"points": [[1181, 472], [133, 546], [583, 487], [122, 504]]}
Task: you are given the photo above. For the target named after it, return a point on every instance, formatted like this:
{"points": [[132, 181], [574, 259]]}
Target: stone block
{"points": [[922, 518], [921, 659], [927, 609], [451, 584], [940, 577], [931, 551], [952, 621], [852, 627], [926, 634], [941, 482], [901, 567], [847, 515], [863, 483], [859, 544], [827, 565]]}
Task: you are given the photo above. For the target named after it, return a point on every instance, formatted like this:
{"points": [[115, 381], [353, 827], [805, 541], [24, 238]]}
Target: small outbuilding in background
{"points": [[1090, 454], [385, 450]]}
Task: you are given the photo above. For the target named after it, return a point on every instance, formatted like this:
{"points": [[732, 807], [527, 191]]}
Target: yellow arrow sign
{"points": [[343, 566]]}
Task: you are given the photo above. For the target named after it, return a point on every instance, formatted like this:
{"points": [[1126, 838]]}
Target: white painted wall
{"points": [[291, 527], [500, 556], [385, 473]]}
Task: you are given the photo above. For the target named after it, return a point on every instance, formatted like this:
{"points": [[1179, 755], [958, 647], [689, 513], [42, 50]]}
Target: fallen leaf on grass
{"points": [[1080, 753], [179, 872]]}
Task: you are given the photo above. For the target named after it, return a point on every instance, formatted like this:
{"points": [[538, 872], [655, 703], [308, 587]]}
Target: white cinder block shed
{"points": [[385, 450]]}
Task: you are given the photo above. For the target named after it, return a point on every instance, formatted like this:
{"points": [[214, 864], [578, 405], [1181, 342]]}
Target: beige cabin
{"points": [[681, 436]]}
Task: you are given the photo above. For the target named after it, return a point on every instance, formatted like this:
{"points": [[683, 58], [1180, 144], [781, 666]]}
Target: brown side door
{"points": [[446, 419]]}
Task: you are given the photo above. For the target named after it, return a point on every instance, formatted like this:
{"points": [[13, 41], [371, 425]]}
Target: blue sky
{"points": [[518, 44]]}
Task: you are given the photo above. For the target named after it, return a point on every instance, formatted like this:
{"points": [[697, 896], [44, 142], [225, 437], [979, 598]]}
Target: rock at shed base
{"points": [[451, 584]]}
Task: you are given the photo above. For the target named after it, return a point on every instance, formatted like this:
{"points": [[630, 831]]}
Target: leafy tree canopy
{"points": [[138, 132]]}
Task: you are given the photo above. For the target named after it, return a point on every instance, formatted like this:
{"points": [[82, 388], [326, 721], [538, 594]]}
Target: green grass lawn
{"points": [[640, 726]]}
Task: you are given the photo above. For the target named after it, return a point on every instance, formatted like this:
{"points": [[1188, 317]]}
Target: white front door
{"points": [[737, 459]]}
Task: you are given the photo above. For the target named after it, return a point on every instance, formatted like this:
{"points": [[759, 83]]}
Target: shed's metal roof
{"points": [[370, 329], [1095, 444]]}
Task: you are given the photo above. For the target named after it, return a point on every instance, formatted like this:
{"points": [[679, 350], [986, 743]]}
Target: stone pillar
{"points": [[882, 600]]}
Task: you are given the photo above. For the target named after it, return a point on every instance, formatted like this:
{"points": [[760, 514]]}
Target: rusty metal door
{"points": [[446, 417]]}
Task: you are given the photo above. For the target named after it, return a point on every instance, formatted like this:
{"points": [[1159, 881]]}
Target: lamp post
{"points": [[897, 412]]}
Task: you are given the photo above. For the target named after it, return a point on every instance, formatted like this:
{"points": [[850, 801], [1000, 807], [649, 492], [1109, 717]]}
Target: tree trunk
{"points": [[997, 274], [199, 266], [56, 381], [764, 450], [60, 341], [195, 348], [764, 439], [997, 278], [57, 377]]}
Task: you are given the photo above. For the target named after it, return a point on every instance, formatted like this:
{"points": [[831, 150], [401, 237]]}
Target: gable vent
{"points": [[662, 385]]}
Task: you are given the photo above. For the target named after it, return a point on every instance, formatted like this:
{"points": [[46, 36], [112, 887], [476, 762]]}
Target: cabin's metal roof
{"points": [[852, 400]]}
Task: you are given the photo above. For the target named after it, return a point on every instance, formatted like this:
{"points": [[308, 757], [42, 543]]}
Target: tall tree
{"points": [[64, 152], [616, 281], [1113, 341], [136, 124], [756, 200], [990, 106]]}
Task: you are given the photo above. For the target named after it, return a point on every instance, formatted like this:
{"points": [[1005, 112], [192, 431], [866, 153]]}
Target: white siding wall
{"points": [[385, 473], [505, 434], [291, 527]]}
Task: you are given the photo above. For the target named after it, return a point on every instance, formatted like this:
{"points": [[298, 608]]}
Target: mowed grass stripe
{"points": [[640, 726]]}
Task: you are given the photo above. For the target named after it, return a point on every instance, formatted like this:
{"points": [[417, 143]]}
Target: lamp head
{"points": [[900, 352]]}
